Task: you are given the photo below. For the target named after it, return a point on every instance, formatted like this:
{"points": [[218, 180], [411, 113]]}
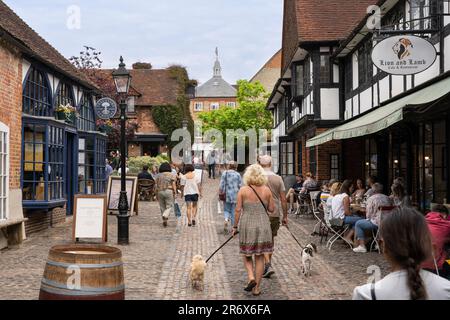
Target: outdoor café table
{"points": [[358, 209]]}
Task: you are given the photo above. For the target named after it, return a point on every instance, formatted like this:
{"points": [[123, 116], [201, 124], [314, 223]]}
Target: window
{"points": [[198, 106], [297, 80], [231, 104], [365, 68], [4, 171], [86, 121], [42, 162], [313, 161], [371, 158], [299, 157], [215, 106], [348, 74], [307, 75], [325, 68], [423, 14], [36, 98], [395, 18], [334, 167], [64, 95], [131, 107], [91, 164], [287, 158]]}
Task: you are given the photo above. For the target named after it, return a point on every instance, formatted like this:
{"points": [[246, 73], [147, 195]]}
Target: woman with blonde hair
{"points": [[254, 202]]}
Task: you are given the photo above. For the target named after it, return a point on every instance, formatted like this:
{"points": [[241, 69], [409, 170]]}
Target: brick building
{"points": [[269, 74], [41, 153]]}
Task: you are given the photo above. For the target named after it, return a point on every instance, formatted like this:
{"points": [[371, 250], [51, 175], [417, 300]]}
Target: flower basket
{"points": [[66, 113]]}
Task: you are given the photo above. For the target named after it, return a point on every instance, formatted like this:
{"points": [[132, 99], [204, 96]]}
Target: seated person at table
{"points": [[309, 184], [399, 194], [372, 220], [145, 174], [440, 235], [295, 190], [325, 192], [407, 244], [340, 208], [360, 191], [370, 182], [334, 190]]}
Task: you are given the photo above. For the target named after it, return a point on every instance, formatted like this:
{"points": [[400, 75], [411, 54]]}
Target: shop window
{"points": [[334, 167], [287, 158], [36, 99], [4, 171], [371, 158], [64, 96], [313, 161], [365, 66], [42, 162], [86, 120], [91, 165]]}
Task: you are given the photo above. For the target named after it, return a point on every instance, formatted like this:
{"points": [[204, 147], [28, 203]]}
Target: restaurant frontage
{"points": [[406, 138]]}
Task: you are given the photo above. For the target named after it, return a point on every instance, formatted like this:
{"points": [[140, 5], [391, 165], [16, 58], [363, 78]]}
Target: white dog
{"points": [[197, 273], [307, 256]]}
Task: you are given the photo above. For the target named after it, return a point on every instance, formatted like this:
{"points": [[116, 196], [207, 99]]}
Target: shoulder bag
{"points": [[223, 194]]}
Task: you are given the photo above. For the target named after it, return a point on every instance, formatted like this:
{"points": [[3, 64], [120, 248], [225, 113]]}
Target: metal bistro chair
{"points": [[146, 189], [376, 232], [315, 210]]}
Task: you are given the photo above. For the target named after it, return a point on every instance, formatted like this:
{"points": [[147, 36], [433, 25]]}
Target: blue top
{"points": [[230, 183]]}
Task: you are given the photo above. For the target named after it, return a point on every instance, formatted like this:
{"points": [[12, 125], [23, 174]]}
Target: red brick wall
{"points": [[145, 120], [11, 106], [41, 221], [207, 103]]}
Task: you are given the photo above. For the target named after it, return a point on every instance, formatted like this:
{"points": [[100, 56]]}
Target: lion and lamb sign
{"points": [[404, 55]]}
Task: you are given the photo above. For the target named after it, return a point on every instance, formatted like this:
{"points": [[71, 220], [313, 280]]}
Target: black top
{"points": [[145, 175], [297, 186]]}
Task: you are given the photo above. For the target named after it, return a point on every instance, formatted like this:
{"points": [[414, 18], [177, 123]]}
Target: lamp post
{"points": [[122, 80]]}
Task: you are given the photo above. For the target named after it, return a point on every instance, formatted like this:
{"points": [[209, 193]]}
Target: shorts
{"points": [[275, 225], [191, 198]]}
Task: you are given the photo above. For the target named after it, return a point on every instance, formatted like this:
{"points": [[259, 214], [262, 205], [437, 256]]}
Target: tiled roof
{"points": [[319, 21], [152, 87], [34, 45], [216, 87]]}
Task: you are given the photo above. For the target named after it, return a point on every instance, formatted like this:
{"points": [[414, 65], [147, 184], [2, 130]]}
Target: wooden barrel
{"points": [[83, 272]]}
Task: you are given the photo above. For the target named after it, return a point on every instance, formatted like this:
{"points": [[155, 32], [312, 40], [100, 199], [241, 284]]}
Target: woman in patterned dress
{"points": [[254, 203]]}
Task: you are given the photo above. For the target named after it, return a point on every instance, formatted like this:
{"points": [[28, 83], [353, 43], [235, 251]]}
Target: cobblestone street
{"points": [[158, 260]]}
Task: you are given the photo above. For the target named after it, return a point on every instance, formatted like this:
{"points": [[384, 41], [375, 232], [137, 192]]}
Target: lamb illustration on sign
{"points": [[106, 108]]}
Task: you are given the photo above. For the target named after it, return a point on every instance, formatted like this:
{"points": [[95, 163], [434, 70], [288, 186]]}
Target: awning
{"points": [[382, 117]]}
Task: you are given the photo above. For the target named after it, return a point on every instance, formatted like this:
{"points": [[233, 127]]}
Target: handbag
{"points": [[223, 194], [177, 210]]}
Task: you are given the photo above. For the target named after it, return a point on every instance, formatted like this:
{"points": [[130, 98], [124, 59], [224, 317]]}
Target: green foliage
{"points": [[137, 163], [250, 114], [169, 117]]}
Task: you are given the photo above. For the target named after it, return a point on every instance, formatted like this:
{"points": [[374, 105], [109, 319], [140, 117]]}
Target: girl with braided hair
{"points": [[406, 244]]}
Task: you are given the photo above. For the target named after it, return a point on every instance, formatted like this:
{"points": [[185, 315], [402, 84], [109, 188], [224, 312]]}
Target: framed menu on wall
{"points": [[113, 194], [89, 218]]}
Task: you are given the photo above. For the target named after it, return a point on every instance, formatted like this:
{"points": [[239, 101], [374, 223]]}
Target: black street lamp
{"points": [[122, 80]]}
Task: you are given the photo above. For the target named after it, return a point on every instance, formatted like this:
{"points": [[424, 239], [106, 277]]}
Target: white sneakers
{"points": [[360, 249]]}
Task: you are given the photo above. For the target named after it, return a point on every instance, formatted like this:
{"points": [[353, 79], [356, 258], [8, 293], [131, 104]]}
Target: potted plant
{"points": [[105, 126], [66, 113]]}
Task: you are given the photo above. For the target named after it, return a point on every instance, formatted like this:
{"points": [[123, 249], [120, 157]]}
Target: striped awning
{"points": [[382, 117]]}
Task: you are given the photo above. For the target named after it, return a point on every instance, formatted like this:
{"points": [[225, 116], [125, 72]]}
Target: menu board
{"points": [[114, 186], [89, 219]]}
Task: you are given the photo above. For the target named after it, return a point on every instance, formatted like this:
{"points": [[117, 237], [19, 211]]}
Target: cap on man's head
{"points": [[265, 160]]}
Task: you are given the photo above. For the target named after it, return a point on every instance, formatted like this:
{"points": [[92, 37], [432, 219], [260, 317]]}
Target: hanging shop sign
{"points": [[106, 108], [404, 55]]}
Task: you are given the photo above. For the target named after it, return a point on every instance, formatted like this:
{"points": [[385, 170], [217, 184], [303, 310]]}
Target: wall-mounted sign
{"points": [[106, 108], [404, 55]]}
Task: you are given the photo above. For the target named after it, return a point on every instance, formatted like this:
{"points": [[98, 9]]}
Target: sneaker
{"points": [[360, 249], [268, 272]]}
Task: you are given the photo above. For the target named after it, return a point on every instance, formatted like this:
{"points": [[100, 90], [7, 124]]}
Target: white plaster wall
{"points": [[25, 68], [384, 89], [366, 100], [355, 71], [355, 106], [329, 104], [335, 74], [428, 74], [375, 94], [397, 85], [348, 109]]}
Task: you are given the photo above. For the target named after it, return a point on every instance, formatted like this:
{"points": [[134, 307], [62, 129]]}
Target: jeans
{"points": [[362, 226], [228, 211], [212, 171], [352, 220]]}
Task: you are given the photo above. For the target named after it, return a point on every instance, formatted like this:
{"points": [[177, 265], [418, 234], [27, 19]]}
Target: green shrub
{"points": [[135, 164]]}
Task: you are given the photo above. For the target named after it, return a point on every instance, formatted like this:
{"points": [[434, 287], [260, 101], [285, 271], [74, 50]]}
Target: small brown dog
{"points": [[197, 273]]}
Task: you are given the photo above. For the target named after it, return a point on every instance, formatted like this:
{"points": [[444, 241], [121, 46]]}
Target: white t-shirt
{"points": [[395, 287], [337, 206], [190, 185]]}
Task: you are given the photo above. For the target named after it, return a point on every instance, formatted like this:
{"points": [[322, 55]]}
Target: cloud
{"points": [[164, 32]]}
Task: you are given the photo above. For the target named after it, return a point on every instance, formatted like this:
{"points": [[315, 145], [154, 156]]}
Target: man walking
{"points": [[276, 185], [212, 161]]}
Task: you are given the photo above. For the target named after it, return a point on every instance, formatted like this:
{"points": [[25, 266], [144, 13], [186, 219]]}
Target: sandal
{"points": [[250, 286]]}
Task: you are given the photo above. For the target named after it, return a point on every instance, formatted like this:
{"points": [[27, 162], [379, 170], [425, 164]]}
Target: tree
{"points": [[250, 114]]}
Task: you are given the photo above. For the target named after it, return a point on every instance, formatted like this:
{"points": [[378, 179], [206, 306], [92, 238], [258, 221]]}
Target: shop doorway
{"points": [[150, 149]]}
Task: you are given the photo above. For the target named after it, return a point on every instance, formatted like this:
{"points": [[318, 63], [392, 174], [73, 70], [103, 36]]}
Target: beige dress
{"points": [[255, 234]]}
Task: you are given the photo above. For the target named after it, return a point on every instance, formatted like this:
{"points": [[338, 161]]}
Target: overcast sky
{"points": [[163, 32]]}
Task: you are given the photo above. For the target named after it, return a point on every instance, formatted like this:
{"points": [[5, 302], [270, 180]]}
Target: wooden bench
{"points": [[12, 229]]}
